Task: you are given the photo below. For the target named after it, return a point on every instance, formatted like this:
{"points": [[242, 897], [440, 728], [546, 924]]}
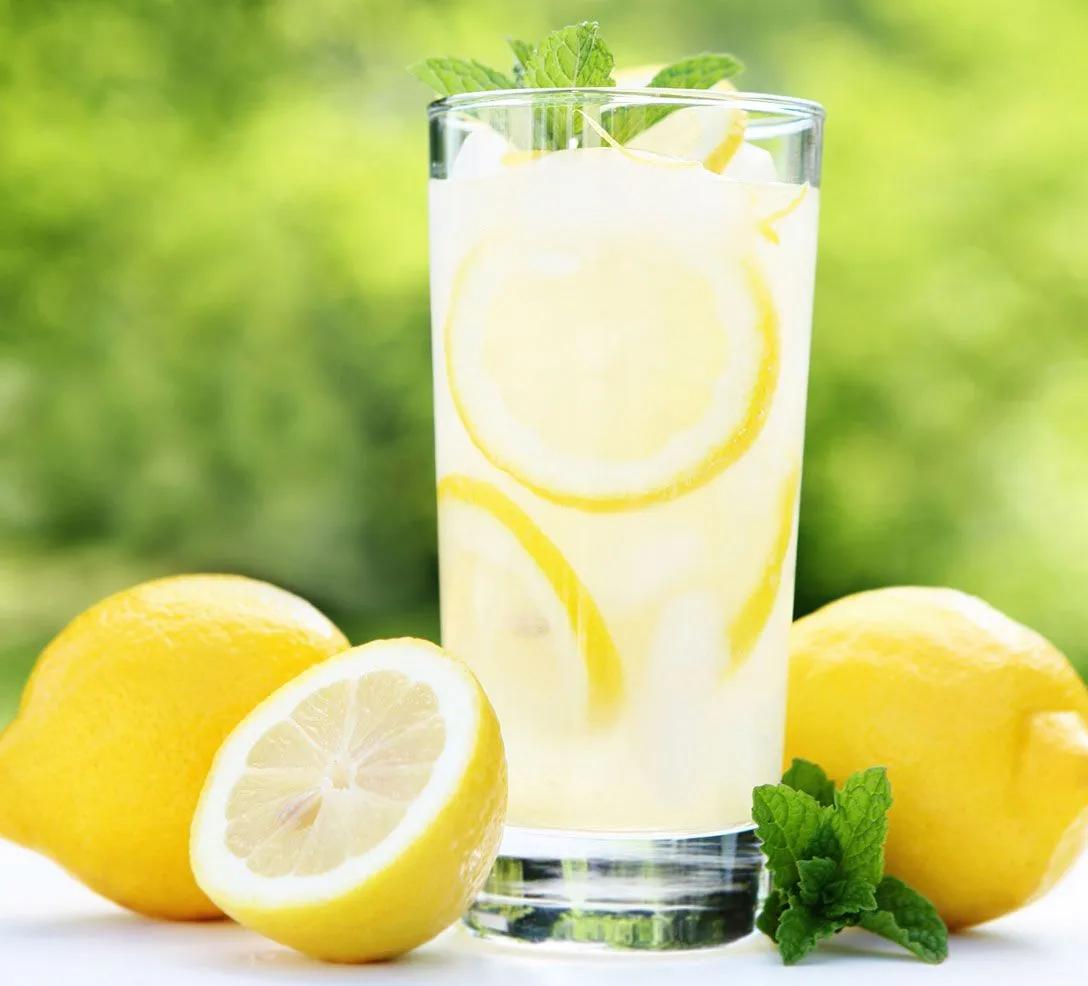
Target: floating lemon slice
{"points": [[510, 597], [751, 619], [355, 812], [601, 380]]}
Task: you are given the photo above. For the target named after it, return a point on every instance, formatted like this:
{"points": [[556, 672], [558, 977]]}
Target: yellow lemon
{"points": [[355, 813], [102, 767], [982, 724]]}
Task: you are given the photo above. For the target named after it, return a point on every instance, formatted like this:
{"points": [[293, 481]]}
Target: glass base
{"points": [[624, 891]]}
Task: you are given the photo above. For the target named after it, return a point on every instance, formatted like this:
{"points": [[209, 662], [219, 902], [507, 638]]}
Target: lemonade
{"points": [[621, 338]]}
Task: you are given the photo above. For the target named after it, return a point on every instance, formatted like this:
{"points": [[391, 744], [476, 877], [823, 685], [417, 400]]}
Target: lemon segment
{"points": [[751, 619], [510, 595], [669, 370], [354, 813]]}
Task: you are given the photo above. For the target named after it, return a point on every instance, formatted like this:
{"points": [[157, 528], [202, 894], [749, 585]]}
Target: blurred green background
{"points": [[213, 299]]}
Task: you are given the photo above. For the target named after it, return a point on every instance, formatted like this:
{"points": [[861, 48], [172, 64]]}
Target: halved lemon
{"points": [[666, 358], [516, 611], [355, 813]]}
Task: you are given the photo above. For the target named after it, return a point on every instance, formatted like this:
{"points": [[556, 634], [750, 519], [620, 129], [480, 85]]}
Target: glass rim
{"points": [[791, 106]]}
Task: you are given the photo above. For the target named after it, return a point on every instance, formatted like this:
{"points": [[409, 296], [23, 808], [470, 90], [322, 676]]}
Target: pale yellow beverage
{"points": [[621, 339]]}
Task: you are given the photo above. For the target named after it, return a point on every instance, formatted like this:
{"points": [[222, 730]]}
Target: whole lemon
{"points": [[102, 767], [982, 724]]}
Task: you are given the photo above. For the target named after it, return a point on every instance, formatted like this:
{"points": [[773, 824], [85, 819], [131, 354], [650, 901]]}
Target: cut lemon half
{"points": [[354, 813], [601, 379], [517, 612]]}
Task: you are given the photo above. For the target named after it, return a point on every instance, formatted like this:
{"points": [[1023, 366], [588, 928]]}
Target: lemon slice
{"points": [[355, 812], [751, 619], [509, 595], [604, 382]]}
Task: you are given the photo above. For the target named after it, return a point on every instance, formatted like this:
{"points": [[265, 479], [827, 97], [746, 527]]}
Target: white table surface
{"points": [[52, 930]]}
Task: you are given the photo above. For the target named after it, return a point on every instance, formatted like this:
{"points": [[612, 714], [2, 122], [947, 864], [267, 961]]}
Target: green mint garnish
{"points": [[825, 852], [575, 57], [571, 56], [905, 917], [808, 777], [523, 54], [697, 72], [449, 76]]}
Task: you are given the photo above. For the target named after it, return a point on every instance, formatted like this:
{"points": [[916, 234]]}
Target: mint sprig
{"points": [[575, 56], [572, 56], [825, 852]]}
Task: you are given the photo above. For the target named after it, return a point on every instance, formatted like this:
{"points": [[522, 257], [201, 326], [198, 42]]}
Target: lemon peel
{"points": [[751, 619]]}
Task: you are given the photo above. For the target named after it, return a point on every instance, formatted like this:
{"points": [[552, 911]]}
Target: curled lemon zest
{"points": [[766, 225]]}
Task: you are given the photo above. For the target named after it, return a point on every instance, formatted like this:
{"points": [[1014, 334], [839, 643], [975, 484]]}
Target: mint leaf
{"points": [[799, 930], [825, 842], [815, 876], [804, 775], [773, 908], [523, 53], [698, 72], [571, 56], [786, 821], [848, 898], [823, 889], [448, 76], [860, 821], [908, 919]]}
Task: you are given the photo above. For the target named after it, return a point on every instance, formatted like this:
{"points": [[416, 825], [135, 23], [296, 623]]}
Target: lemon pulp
{"points": [[355, 812], [334, 778]]}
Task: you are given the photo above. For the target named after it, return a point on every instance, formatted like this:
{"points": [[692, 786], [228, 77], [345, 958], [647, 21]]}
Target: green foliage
{"points": [[572, 56], [905, 917], [696, 72], [799, 932], [860, 823], [447, 76], [213, 303], [523, 53], [826, 862], [786, 821], [804, 775]]}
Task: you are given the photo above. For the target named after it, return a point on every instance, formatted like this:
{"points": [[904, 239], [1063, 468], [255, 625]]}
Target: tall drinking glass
{"points": [[621, 291]]}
